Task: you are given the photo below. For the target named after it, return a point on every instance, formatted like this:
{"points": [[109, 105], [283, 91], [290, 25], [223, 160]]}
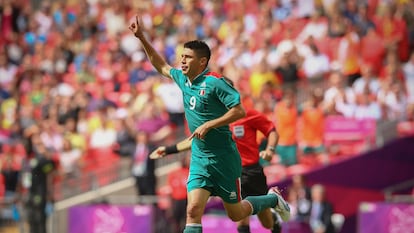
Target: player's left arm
{"points": [[162, 151], [230, 116]]}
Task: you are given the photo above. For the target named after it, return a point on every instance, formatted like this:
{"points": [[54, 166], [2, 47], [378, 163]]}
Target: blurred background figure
{"points": [[177, 182], [285, 119], [312, 127], [143, 168], [302, 193], [39, 169], [320, 211]]}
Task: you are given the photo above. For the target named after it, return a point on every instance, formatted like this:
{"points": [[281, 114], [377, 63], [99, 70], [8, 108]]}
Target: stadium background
{"points": [[73, 76]]}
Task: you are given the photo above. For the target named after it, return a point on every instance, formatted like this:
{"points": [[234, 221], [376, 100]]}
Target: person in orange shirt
{"points": [[312, 125], [177, 181], [285, 119]]}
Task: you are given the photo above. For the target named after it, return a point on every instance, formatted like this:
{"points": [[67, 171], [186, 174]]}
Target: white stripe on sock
{"points": [[193, 225]]}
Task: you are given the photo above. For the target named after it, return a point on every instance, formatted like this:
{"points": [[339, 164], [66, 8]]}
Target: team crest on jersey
{"points": [[202, 92], [238, 131]]}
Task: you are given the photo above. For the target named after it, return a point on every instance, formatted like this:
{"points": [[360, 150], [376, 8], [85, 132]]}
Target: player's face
{"points": [[190, 63]]}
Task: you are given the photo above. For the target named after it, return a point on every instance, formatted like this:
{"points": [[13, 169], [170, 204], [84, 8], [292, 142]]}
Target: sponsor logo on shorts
{"points": [[233, 195]]}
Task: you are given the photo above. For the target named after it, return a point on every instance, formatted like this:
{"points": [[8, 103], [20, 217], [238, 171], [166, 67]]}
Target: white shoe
{"points": [[282, 206]]}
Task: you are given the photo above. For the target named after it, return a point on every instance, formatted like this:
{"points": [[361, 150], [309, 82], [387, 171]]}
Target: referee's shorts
{"points": [[253, 181]]}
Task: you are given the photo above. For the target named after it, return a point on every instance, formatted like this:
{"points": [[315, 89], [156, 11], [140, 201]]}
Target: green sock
{"points": [[260, 203], [193, 228], [243, 229]]}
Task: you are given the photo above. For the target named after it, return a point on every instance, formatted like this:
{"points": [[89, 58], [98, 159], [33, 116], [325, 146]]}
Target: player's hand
{"points": [[137, 27], [201, 131], [158, 153], [266, 155]]}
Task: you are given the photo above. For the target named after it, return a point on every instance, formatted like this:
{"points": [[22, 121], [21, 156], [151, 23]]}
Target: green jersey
{"points": [[215, 161], [208, 97]]}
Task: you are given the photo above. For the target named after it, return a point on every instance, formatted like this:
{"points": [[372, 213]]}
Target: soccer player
{"points": [[253, 180], [210, 104]]}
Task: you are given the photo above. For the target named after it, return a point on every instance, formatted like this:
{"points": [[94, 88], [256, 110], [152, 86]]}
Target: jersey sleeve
{"points": [[178, 77], [226, 93], [261, 123]]}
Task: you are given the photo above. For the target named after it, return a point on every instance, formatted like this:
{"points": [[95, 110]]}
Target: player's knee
{"points": [[235, 216], [194, 211], [268, 224]]}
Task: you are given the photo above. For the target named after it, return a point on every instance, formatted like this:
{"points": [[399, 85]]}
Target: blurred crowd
{"points": [[309, 204], [73, 78]]}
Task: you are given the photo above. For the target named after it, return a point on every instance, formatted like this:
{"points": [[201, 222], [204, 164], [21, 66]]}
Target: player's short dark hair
{"points": [[200, 48]]}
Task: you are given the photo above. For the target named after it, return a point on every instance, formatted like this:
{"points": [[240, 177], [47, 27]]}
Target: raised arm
{"points": [[155, 58]]}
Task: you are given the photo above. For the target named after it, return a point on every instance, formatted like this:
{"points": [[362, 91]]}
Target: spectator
{"points": [[337, 25], [373, 50], [408, 69], [348, 54], [312, 126], [337, 93], [285, 119], [280, 11], [350, 10], [69, 159], [320, 211], [392, 69], [8, 111], [40, 168], [366, 108], [316, 65], [125, 136], [51, 135], [292, 200], [104, 136], [261, 75], [10, 167], [171, 97], [367, 82], [288, 67], [406, 127], [303, 196], [7, 71], [143, 168], [362, 21], [77, 140], [177, 181], [316, 28], [138, 72], [392, 29]]}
